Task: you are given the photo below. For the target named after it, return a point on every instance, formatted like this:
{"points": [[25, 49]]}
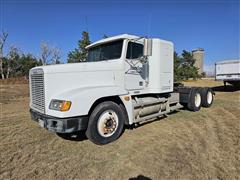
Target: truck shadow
{"points": [[81, 136], [227, 88], [140, 177], [76, 136]]}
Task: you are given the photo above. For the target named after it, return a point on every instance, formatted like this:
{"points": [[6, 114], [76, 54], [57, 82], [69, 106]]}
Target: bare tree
{"points": [[12, 60], [3, 38], [46, 52], [50, 54], [56, 55]]}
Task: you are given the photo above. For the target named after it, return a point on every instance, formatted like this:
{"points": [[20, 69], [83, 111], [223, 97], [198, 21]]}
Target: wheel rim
{"points": [[209, 97], [107, 123], [197, 100]]}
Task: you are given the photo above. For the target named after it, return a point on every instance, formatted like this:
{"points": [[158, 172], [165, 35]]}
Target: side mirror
{"points": [[147, 50]]}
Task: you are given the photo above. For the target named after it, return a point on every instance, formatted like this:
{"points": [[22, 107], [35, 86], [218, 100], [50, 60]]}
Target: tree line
{"points": [[16, 63]]}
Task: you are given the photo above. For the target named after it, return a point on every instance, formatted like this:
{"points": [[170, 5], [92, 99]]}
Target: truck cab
{"points": [[125, 79]]}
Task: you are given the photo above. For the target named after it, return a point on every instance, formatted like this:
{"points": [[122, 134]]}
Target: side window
{"points": [[134, 50]]}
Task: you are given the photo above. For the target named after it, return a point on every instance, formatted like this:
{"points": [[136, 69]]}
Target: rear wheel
{"points": [[105, 123], [195, 101], [207, 97]]}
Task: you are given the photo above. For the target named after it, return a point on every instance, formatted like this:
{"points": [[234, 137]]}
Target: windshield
{"points": [[108, 51]]}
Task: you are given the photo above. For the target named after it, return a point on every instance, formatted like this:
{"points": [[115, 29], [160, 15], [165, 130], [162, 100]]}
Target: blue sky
{"points": [[212, 25]]}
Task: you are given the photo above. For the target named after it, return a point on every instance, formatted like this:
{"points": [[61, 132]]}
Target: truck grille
{"points": [[37, 90]]}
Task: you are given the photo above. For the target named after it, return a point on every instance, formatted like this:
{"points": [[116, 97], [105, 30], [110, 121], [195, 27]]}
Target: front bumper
{"points": [[60, 125]]}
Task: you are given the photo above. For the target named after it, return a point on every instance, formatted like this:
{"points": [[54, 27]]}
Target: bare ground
{"points": [[185, 145]]}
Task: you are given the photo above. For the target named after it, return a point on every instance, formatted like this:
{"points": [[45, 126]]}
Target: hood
{"points": [[77, 67]]}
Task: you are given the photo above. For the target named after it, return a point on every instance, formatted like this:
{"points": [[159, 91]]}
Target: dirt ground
{"points": [[184, 145]]}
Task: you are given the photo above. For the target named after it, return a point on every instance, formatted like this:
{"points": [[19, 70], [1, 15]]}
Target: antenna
{"points": [[149, 24], [86, 23]]}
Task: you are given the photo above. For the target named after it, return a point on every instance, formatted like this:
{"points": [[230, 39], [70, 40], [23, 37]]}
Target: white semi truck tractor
{"points": [[125, 80]]}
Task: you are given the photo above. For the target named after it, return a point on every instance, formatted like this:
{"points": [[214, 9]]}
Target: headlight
{"points": [[60, 105]]}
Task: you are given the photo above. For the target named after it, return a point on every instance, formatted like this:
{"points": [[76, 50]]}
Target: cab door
{"points": [[135, 71]]}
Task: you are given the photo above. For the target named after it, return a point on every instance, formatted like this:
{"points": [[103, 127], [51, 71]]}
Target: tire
{"points": [[195, 102], [106, 123], [207, 95]]}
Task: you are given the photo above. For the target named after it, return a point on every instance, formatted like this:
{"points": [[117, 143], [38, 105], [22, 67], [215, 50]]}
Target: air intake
{"points": [[37, 90]]}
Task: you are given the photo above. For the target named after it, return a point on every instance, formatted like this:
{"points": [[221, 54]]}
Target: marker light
{"points": [[65, 106]]}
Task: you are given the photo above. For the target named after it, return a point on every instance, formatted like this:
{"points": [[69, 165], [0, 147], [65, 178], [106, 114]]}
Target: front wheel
{"points": [[105, 123]]}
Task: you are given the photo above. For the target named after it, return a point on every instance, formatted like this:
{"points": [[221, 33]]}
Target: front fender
{"points": [[83, 98]]}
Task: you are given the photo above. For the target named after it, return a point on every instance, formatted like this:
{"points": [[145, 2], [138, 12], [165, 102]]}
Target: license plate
{"points": [[41, 122]]}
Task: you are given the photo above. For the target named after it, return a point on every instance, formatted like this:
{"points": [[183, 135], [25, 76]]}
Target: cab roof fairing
{"points": [[114, 38]]}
